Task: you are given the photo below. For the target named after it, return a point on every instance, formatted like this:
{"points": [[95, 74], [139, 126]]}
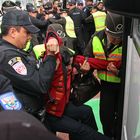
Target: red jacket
{"points": [[59, 91], [96, 63]]}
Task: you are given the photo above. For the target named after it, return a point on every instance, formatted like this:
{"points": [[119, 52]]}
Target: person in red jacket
{"points": [[63, 115]]}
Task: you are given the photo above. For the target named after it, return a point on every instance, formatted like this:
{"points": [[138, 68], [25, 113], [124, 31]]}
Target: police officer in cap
{"points": [[89, 27], [107, 45], [68, 25], [29, 79], [41, 24], [77, 17]]}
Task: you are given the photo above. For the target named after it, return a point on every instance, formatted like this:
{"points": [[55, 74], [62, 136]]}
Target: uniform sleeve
{"points": [[39, 23], [25, 76], [95, 63], [5, 84]]}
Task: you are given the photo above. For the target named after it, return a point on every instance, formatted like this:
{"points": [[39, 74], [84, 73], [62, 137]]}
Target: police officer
{"points": [[77, 17], [107, 45], [30, 81], [41, 24], [88, 27], [97, 18], [68, 25]]}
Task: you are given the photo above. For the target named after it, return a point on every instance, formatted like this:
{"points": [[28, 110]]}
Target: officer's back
{"points": [[75, 13]]}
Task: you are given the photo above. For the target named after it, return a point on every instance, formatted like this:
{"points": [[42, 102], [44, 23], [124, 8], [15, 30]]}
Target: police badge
{"points": [[9, 101]]}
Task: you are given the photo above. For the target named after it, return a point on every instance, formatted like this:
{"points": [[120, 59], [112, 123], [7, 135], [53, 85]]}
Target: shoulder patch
{"points": [[9, 101], [18, 65]]}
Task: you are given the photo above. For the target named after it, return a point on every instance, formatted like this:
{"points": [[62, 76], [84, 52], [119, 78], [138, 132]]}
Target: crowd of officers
{"points": [[87, 34]]}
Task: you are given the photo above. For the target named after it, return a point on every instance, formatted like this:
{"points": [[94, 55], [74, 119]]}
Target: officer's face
{"points": [[22, 36], [114, 40]]}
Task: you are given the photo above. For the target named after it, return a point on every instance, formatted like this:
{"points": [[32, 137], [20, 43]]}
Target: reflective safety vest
{"points": [[39, 51], [99, 20], [99, 53], [27, 46], [69, 27]]}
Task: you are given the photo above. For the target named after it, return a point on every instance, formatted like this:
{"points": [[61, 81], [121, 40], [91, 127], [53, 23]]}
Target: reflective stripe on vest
{"points": [[98, 52], [70, 27], [99, 20]]}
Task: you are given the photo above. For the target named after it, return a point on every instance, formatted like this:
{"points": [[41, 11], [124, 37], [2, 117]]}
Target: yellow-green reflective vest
{"points": [[27, 46], [39, 50], [99, 20], [99, 53], [69, 27]]}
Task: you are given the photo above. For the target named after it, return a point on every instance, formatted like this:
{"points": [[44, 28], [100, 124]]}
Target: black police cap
{"points": [[19, 18], [32, 9]]}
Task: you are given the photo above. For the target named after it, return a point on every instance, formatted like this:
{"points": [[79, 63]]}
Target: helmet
{"points": [[8, 6], [114, 24]]}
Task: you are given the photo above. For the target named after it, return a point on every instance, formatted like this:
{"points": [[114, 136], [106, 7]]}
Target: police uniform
{"points": [[98, 20], [8, 100], [89, 27], [77, 17], [29, 82], [68, 26]]}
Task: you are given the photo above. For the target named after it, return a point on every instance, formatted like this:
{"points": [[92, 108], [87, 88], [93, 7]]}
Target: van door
{"points": [[131, 111]]}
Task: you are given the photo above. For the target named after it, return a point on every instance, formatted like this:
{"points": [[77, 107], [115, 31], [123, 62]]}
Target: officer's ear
{"points": [[12, 32]]}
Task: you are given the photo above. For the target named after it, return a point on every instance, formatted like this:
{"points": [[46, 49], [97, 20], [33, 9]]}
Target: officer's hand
{"points": [[111, 67]]}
